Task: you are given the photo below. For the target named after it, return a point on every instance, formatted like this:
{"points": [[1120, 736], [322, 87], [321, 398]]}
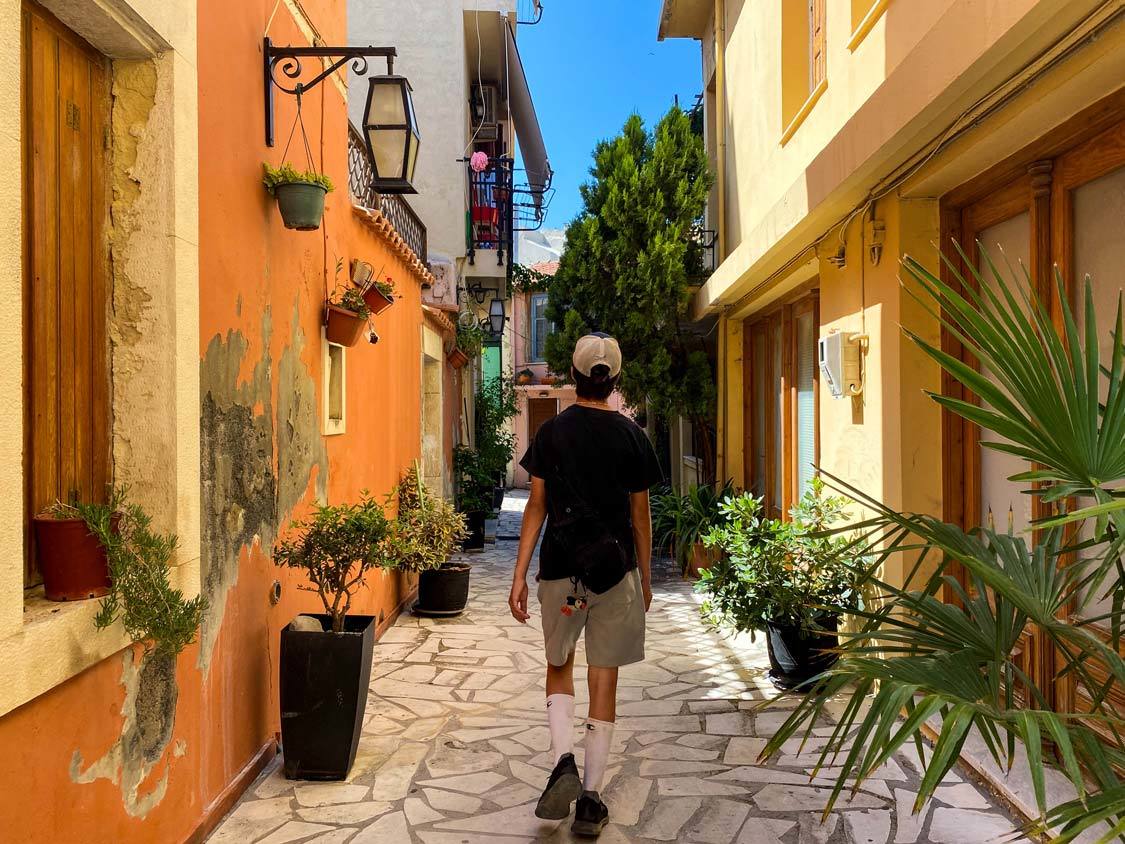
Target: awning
{"points": [[532, 149]]}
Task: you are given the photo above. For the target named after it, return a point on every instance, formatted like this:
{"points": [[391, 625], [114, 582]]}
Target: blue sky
{"points": [[590, 64]]}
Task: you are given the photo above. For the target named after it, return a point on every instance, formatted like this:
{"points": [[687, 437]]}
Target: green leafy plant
{"points": [[789, 573], [336, 547], [476, 478], [426, 530], [286, 174], [387, 288], [1059, 403], [470, 338], [627, 267], [141, 595], [350, 299], [527, 279], [680, 521]]}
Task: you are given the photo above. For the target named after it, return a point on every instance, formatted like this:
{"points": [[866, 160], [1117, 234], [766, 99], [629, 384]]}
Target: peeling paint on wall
{"points": [[149, 714], [244, 496]]}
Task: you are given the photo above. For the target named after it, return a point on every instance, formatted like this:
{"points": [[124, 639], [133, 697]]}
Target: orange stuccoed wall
{"points": [[264, 461]]}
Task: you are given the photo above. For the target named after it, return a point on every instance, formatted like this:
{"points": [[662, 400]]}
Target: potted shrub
{"points": [[784, 577], [680, 522], [345, 316], [525, 377], [300, 196], [475, 484], [423, 536], [140, 593], [325, 664], [379, 295], [470, 340]]}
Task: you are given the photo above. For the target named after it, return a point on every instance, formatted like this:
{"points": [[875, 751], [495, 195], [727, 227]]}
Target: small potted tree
{"points": [[325, 664], [475, 480], [379, 295], [345, 316], [784, 577], [300, 195], [679, 523], [422, 538]]}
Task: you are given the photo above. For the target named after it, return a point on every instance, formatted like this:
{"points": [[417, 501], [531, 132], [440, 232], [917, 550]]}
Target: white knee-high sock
{"points": [[560, 721], [599, 734]]}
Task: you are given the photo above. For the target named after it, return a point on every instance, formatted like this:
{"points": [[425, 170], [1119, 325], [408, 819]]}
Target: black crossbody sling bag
{"points": [[596, 555]]}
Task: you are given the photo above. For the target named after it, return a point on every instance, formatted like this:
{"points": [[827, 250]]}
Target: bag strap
{"points": [[586, 509]]}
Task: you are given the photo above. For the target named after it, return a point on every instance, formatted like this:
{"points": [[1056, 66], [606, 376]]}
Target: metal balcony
{"points": [[361, 181]]}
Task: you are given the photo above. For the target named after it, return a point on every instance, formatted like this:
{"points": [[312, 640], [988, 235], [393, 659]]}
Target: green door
{"points": [[490, 362]]}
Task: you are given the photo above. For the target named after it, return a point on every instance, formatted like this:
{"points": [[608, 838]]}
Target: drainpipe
{"points": [[720, 27], [721, 124]]}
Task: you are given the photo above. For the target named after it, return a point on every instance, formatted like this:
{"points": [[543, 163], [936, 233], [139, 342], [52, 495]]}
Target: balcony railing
{"points": [[529, 12], [361, 183], [500, 205]]}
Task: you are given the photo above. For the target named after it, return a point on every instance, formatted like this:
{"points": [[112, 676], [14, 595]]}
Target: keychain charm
{"points": [[573, 602]]}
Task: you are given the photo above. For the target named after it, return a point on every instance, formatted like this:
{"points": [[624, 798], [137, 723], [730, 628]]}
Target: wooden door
{"points": [[66, 353], [538, 412]]}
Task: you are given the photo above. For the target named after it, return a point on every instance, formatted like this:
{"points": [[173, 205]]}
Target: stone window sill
{"points": [[803, 111], [868, 23], [57, 640]]}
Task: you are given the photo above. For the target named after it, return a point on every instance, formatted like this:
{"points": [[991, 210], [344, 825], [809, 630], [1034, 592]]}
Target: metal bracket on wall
{"points": [[287, 60]]}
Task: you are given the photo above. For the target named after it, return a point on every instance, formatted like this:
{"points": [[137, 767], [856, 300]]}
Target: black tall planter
{"points": [[796, 656], [324, 680], [498, 498], [443, 591], [475, 522]]}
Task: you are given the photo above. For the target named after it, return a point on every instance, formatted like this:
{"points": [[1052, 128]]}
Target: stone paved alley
{"points": [[455, 745]]}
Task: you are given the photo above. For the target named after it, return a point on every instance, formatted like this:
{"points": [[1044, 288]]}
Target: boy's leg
{"points": [[599, 726], [560, 707]]}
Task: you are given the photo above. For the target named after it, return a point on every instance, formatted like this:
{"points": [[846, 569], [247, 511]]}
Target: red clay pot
{"points": [[376, 300], [70, 558], [344, 327], [457, 358], [701, 558]]}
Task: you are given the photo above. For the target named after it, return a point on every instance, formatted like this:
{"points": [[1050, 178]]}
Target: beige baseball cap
{"points": [[596, 349]]}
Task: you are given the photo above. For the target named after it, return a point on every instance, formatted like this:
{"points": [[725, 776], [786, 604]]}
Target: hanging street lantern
{"points": [[391, 130], [496, 317]]}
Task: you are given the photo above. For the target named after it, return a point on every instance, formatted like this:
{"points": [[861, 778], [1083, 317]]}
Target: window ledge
{"points": [[803, 111], [868, 23], [58, 641]]}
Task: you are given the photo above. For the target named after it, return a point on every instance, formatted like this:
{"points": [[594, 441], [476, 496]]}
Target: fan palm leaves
{"points": [[1052, 397]]}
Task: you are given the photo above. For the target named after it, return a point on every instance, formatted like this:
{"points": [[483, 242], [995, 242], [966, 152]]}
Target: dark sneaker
{"points": [[590, 815], [562, 789]]}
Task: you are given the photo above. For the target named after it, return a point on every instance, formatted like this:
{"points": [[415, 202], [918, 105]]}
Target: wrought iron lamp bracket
{"points": [[286, 61]]}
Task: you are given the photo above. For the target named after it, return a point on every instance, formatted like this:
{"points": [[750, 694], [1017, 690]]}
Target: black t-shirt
{"points": [[603, 456]]}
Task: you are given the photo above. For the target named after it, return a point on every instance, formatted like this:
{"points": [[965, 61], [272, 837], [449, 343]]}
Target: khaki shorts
{"points": [[614, 622]]}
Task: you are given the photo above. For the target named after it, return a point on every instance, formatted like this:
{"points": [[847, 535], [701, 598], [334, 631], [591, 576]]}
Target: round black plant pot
{"points": [[323, 690], [443, 591], [475, 540], [797, 656], [301, 204]]}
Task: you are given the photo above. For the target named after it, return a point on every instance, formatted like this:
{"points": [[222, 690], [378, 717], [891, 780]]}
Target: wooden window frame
{"points": [[533, 332], [1040, 179], [783, 317]]}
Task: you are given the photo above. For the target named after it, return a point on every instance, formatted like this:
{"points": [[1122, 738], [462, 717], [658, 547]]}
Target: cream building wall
{"points": [[917, 99]]}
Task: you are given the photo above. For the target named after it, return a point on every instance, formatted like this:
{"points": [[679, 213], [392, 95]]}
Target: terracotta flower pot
{"points": [[701, 558], [525, 378], [301, 204], [344, 327], [377, 300], [457, 358], [70, 558]]}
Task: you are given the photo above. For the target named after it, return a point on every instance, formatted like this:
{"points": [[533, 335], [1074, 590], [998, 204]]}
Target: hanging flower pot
{"points": [[380, 296], [300, 196], [457, 358], [343, 327]]}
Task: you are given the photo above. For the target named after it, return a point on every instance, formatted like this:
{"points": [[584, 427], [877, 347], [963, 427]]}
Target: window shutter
{"points": [[806, 400]]}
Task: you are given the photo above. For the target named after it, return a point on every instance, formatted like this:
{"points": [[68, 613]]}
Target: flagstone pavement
{"points": [[455, 745]]}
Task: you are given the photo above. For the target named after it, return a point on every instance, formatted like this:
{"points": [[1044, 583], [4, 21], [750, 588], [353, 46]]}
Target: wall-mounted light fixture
{"points": [[390, 125], [496, 317]]}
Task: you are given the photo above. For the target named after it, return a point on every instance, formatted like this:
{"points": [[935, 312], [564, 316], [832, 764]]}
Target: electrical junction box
{"points": [[838, 355]]}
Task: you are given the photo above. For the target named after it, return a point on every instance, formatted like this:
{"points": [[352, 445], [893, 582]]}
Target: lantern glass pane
{"points": [[384, 102], [410, 108], [389, 148], [411, 156]]}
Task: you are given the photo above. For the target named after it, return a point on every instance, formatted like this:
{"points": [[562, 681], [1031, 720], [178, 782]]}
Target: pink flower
{"points": [[479, 161]]}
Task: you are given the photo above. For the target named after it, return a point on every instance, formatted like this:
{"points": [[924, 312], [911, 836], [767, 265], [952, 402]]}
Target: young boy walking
{"points": [[591, 468]]}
